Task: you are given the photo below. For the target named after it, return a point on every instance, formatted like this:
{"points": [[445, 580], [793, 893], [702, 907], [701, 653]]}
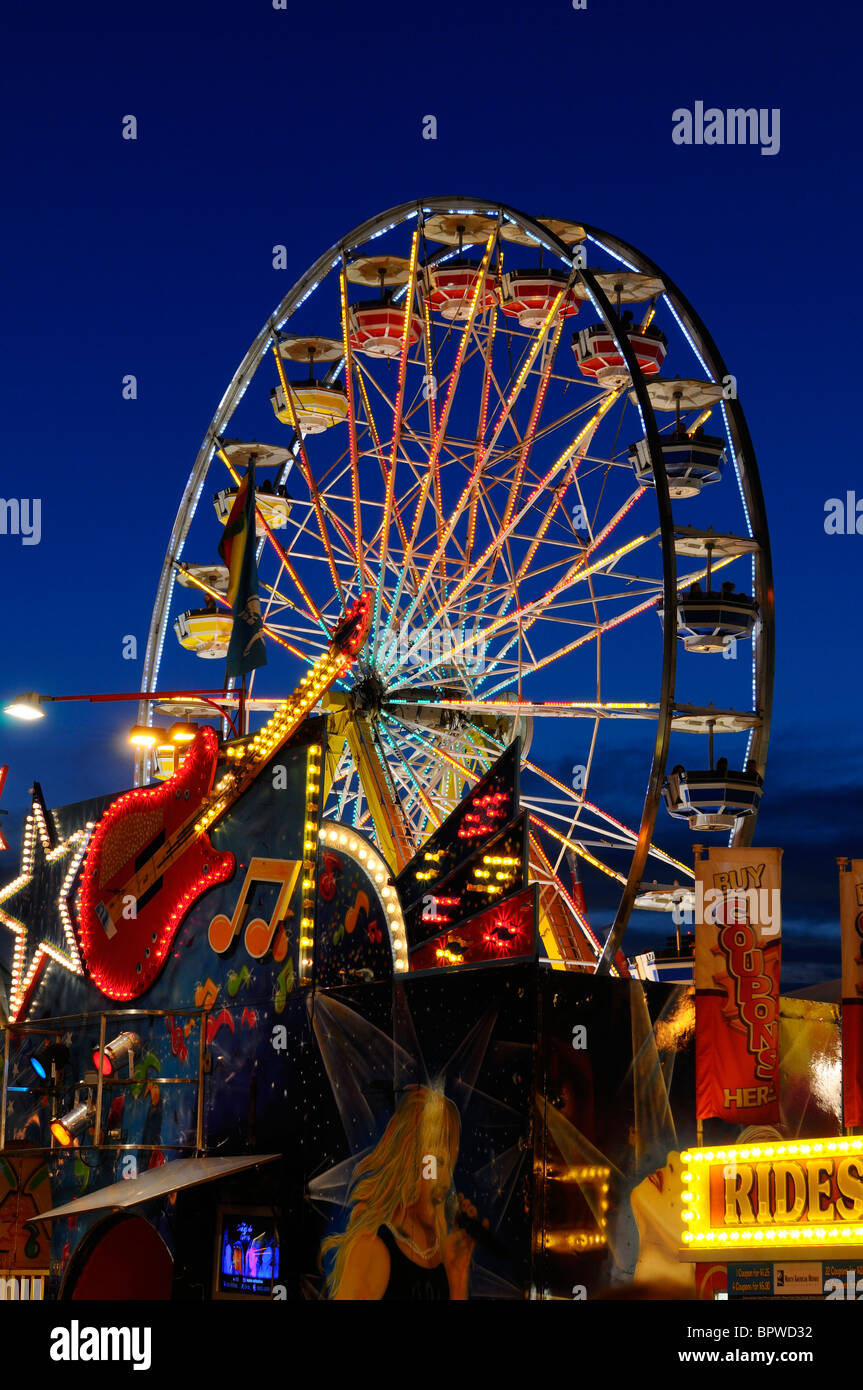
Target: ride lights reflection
{"points": [[125, 1045], [73, 1122]]}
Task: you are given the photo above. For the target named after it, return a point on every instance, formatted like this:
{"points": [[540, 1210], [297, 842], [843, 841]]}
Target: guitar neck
{"points": [[286, 719]]}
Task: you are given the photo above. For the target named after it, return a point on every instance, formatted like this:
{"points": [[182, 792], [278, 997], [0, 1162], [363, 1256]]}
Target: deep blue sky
{"points": [[260, 126]]}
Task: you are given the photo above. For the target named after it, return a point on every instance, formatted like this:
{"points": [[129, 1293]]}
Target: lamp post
{"points": [[144, 738]]}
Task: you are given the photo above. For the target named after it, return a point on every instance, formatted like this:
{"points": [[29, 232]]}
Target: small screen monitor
{"points": [[246, 1261]]}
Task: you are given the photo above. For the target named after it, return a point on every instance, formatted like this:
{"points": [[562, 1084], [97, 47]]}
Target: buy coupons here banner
{"points": [[738, 933]]}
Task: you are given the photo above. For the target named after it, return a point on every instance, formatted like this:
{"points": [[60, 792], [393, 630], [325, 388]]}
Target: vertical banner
{"points": [[851, 923], [738, 927]]}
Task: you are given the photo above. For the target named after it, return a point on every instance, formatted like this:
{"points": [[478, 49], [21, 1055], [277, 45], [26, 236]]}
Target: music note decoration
{"points": [[236, 979], [206, 994], [258, 933], [284, 985], [178, 1040]]}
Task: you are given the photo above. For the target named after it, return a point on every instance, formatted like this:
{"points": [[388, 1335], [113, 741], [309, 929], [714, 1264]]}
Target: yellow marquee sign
{"points": [[788, 1197]]}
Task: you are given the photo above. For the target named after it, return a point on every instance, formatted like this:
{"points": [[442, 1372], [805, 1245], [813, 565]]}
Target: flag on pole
{"points": [[851, 927], [247, 648], [738, 955]]}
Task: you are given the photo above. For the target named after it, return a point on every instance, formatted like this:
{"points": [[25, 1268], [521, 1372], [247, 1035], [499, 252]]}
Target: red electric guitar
{"points": [[151, 858]]}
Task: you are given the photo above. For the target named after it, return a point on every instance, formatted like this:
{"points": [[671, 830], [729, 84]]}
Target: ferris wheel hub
{"points": [[369, 693]]}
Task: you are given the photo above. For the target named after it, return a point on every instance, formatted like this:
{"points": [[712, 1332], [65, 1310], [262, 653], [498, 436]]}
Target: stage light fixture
{"points": [[123, 1046], [67, 1126], [50, 1058]]}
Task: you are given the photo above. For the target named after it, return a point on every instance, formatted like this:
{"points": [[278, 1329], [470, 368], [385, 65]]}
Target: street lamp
{"points": [[29, 706], [26, 706]]}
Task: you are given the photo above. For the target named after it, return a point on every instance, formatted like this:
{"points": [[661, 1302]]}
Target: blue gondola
{"points": [[691, 461], [711, 621]]}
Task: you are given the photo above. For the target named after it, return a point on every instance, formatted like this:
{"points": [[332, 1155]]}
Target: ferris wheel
{"points": [[516, 435]]}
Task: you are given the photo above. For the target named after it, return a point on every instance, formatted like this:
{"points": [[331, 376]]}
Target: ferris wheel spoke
{"points": [[585, 436], [308, 476], [586, 834], [435, 746], [583, 804], [477, 470], [535, 608], [412, 783], [576, 571], [352, 418], [541, 823], [276, 601], [487, 379], [568, 457], [380, 456], [431, 395], [596, 633], [533, 423], [548, 709], [434, 453]]}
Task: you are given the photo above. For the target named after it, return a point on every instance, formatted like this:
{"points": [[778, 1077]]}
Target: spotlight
{"points": [[182, 732], [143, 737], [123, 1046], [51, 1058], [67, 1126]]}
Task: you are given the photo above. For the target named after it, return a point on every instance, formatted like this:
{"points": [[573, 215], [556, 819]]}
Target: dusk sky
{"points": [[259, 126]]}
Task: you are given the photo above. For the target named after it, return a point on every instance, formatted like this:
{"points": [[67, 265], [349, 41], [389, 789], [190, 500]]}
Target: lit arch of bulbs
{"points": [[333, 835]]}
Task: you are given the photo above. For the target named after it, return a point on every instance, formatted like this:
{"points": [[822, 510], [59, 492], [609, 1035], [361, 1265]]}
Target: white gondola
{"points": [[712, 800]]}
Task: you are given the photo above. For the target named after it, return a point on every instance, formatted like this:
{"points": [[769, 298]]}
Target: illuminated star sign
{"points": [[42, 889]]}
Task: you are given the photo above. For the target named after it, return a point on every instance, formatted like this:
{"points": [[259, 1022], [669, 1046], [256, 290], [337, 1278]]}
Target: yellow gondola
{"points": [[203, 632]]}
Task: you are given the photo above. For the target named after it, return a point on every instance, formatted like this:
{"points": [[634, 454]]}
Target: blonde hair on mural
{"points": [[389, 1179]]}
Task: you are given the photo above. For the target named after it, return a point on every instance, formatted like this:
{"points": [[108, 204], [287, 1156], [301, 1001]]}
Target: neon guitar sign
{"points": [[151, 858]]}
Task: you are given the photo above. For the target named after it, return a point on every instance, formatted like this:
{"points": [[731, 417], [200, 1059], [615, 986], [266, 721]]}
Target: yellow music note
{"points": [[205, 995], [259, 934]]}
